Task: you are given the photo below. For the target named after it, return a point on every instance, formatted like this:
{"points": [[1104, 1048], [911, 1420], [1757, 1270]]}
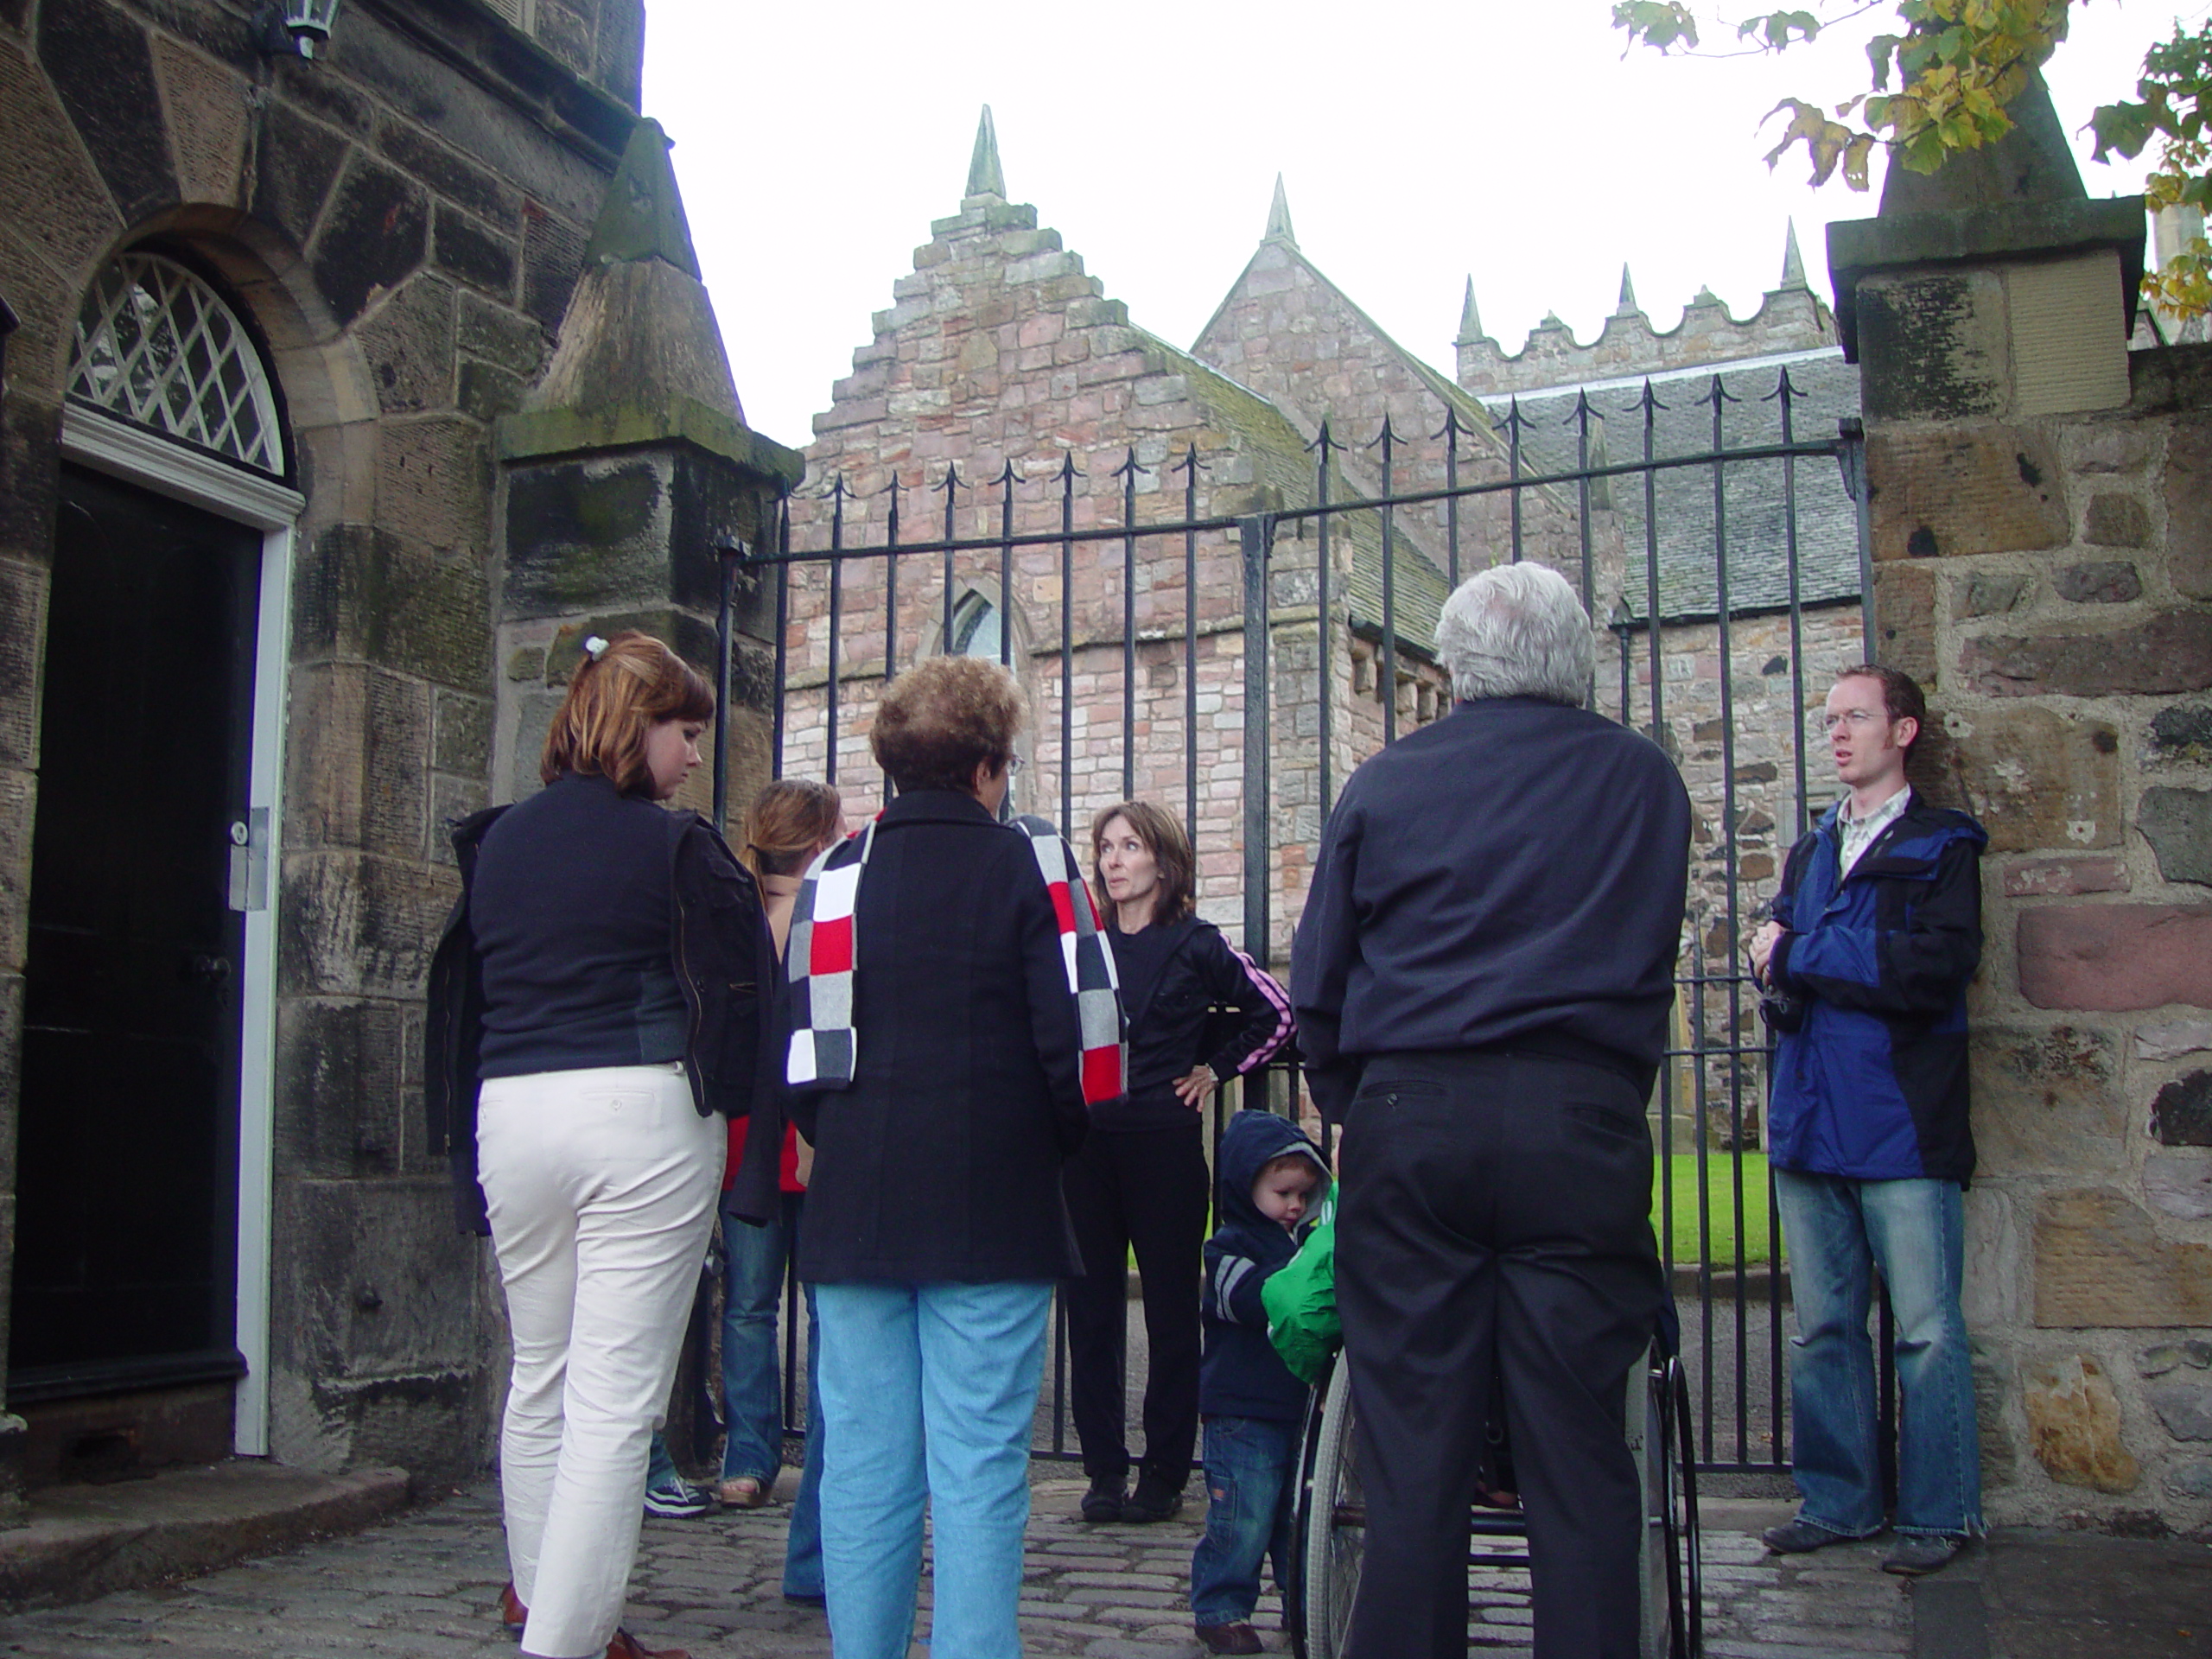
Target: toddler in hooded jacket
{"points": [[1272, 1178]]}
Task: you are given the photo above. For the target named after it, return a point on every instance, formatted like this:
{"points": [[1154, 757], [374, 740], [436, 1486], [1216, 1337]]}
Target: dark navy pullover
{"points": [[1512, 874], [570, 907]]}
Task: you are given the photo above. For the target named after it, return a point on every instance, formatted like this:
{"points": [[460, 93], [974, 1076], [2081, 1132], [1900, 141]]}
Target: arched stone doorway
{"points": [[139, 1290]]}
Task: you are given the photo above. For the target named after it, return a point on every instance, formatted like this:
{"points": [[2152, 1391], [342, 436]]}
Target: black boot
{"points": [[1155, 1499], [1104, 1500]]}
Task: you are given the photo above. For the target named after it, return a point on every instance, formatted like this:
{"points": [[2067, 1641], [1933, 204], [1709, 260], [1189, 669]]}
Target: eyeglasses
{"points": [[1857, 718], [1013, 765]]}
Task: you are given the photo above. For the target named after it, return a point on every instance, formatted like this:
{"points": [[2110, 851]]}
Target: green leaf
{"points": [[1660, 24]]}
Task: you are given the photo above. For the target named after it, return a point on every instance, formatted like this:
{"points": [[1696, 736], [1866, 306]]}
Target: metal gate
{"points": [[1728, 558]]}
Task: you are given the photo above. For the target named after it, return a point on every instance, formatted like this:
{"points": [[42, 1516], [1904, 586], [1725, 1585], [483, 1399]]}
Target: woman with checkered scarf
{"points": [[952, 1012]]}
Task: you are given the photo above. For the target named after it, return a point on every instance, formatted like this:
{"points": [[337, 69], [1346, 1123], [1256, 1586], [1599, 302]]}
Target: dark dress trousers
{"points": [[1482, 978]]}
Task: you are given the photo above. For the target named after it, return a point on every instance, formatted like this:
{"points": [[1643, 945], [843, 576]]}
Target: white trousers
{"points": [[601, 1186]]}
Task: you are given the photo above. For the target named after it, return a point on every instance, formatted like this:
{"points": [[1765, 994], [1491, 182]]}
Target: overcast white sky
{"points": [[1421, 142]]}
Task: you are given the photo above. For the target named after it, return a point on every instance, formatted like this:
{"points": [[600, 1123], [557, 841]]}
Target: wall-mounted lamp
{"points": [[289, 28]]}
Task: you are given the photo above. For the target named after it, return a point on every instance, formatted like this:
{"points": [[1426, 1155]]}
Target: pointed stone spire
{"points": [[1793, 262], [642, 217], [986, 177], [1628, 307], [1278, 218], [1470, 320]]}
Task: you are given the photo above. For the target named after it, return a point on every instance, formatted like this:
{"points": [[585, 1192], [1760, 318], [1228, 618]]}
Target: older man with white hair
{"points": [[1483, 976]]}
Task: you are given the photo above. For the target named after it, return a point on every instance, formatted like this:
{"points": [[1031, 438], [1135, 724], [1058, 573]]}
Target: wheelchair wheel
{"points": [[1333, 1525], [1674, 1585]]}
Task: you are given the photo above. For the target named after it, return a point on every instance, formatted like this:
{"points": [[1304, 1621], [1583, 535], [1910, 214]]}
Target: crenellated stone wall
{"points": [[1791, 318]]}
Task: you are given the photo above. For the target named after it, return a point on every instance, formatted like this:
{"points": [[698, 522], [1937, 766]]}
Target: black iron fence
{"points": [[1728, 559]]}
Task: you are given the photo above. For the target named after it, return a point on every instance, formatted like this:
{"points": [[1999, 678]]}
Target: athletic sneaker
{"points": [[677, 1499]]}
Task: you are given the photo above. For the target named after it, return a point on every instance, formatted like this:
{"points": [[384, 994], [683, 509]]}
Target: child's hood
{"points": [[1252, 1139]]}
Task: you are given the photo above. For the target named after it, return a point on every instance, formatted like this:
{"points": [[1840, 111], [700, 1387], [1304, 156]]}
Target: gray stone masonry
{"points": [[2041, 543]]}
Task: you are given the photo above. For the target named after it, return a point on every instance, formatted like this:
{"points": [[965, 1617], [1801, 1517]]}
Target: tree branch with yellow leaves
{"points": [[1943, 85]]}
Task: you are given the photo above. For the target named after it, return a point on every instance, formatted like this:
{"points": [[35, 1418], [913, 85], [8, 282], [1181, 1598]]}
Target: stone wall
{"points": [[1789, 319], [402, 220], [2049, 578]]}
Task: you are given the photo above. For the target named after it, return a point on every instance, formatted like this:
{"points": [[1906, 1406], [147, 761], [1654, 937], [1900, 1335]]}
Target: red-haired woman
{"points": [[596, 1000], [1139, 1181]]}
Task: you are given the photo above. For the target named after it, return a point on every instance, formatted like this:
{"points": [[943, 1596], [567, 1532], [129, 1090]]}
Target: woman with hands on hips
{"points": [[1139, 1180]]}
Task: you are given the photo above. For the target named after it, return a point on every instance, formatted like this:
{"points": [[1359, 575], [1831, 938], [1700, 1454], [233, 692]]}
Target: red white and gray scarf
{"points": [[822, 956]]}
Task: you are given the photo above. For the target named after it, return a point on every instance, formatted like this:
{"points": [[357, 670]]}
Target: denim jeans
{"points": [[927, 1395], [1250, 1465], [753, 1290], [1837, 1231], [803, 1539]]}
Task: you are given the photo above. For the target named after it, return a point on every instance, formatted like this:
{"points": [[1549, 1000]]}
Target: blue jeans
{"points": [[1249, 1464], [753, 1290], [927, 1395], [1838, 1230], [803, 1540], [660, 1467]]}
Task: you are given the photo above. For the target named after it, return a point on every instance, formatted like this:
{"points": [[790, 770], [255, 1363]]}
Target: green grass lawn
{"points": [[1681, 1172]]}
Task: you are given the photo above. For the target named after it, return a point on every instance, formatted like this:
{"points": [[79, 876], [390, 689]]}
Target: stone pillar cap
{"points": [[2007, 233]]}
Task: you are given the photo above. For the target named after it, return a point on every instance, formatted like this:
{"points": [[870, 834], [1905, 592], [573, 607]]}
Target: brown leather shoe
{"points": [[627, 1646], [513, 1614]]}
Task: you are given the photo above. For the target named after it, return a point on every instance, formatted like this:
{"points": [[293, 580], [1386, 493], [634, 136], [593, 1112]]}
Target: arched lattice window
{"points": [[156, 346], [976, 627]]}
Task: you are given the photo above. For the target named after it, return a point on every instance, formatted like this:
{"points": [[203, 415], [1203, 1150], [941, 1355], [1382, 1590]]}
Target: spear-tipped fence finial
{"points": [[986, 176]]}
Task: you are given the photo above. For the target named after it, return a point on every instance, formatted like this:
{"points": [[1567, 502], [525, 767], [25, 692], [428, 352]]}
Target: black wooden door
{"points": [[126, 1239]]}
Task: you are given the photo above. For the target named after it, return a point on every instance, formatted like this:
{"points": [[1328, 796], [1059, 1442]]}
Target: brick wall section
{"points": [[404, 240], [1290, 334], [2050, 577]]}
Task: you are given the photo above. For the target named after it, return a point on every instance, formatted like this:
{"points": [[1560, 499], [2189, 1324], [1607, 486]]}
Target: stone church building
{"points": [[343, 393], [1001, 357]]}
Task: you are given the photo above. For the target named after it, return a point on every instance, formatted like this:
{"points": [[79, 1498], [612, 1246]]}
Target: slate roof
{"points": [[1824, 390]]}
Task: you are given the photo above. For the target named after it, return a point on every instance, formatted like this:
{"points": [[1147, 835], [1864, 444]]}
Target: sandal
{"points": [[745, 1492]]}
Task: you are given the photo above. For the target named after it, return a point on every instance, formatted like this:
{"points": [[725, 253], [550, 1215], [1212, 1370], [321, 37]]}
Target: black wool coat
{"points": [[941, 1160]]}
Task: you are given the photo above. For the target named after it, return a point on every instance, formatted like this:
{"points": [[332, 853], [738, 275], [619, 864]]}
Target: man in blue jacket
{"points": [[1482, 978], [1874, 938]]}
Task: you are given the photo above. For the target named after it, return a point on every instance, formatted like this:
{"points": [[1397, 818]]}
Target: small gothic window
{"points": [[158, 346], [976, 628]]}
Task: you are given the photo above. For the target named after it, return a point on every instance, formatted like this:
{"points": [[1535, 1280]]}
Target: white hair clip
{"points": [[594, 648]]}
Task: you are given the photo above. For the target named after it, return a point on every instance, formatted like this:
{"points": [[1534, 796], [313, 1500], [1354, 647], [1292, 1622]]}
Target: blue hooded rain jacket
{"points": [[1872, 1085]]}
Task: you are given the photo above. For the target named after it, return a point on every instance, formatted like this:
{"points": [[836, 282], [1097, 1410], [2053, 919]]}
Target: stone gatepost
{"points": [[2042, 538], [627, 469]]}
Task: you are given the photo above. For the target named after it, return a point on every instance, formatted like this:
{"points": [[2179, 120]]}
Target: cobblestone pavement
{"points": [[423, 1585]]}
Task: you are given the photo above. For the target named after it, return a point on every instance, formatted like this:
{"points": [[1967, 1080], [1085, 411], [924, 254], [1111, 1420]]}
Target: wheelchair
{"points": [[1331, 1522]]}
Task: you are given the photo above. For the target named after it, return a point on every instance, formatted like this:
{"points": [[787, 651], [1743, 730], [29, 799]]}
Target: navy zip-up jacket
{"points": [[1872, 1085], [1169, 1034], [1242, 1375]]}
